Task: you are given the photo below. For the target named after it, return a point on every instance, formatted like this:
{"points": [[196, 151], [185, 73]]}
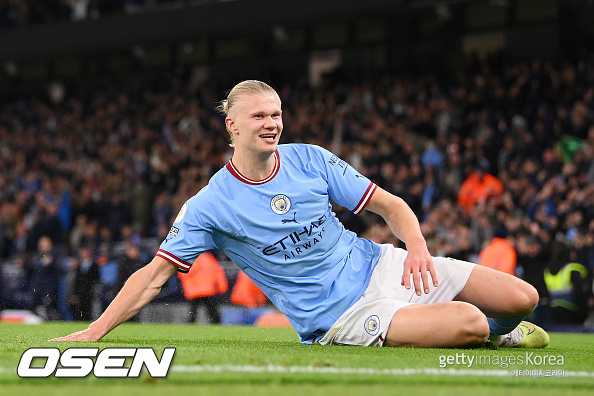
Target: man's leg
{"points": [[443, 324], [212, 309], [497, 294], [506, 300], [194, 304]]}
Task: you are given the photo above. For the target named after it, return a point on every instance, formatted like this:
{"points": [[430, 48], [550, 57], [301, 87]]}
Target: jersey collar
{"points": [[233, 170]]}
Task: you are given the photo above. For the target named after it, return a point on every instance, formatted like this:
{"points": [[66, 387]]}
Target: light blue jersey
{"points": [[282, 233]]}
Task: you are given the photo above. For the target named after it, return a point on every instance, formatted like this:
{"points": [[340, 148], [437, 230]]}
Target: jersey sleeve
{"points": [[346, 186], [188, 237]]}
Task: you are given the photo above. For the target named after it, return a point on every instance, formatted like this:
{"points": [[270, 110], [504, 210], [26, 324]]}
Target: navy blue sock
{"points": [[503, 326]]}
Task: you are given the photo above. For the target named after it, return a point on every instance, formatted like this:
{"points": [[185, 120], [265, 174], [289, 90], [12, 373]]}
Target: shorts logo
{"points": [[173, 231], [372, 325], [181, 213], [280, 204]]}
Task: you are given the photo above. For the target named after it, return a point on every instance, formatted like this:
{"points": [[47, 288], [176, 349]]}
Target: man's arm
{"points": [[405, 226], [140, 289]]}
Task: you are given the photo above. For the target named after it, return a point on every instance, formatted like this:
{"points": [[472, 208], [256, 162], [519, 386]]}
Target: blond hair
{"points": [[248, 87]]}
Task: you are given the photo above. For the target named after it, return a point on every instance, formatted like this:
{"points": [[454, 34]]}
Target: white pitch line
{"points": [[334, 370], [452, 372], [446, 372]]}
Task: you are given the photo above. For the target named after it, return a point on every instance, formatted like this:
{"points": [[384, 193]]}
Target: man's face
{"points": [[256, 122]]}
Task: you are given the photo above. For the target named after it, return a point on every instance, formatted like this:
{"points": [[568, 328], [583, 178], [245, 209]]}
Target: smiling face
{"points": [[256, 123]]}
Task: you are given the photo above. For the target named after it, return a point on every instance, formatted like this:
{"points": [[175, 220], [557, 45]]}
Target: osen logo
{"points": [[80, 362], [280, 204]]}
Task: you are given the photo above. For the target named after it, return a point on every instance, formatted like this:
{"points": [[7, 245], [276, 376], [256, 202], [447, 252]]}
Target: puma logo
{"points": [[293, 220]]}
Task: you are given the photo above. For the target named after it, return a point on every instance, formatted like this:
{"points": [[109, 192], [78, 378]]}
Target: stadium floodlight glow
{"points": [[109, 363]]}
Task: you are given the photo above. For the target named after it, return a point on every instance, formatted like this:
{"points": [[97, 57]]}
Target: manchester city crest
{"points": [[372, 325], [280, 204]]}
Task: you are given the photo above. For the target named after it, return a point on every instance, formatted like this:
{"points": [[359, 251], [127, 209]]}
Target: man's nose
{"points": [[269, 122]]}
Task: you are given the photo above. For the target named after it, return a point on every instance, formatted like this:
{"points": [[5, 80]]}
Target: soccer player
{"points": [[268, 209]]}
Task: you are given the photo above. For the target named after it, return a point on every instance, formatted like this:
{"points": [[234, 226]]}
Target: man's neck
{"points": [[254, 167]]}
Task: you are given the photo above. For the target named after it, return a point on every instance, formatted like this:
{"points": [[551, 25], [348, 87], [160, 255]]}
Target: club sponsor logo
{"points": [[300, 241], [80, 362], [372, 325], [280, 204]]}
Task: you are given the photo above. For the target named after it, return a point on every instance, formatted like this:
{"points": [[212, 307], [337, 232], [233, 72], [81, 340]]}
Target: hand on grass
{"points": [[84, 335]]}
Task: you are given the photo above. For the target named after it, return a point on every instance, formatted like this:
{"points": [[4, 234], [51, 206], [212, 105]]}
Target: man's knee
{"points": [[525, 299], [473, 326]]}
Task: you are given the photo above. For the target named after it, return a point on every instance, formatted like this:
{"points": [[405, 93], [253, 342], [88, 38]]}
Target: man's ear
{"points": [[231, 127]]}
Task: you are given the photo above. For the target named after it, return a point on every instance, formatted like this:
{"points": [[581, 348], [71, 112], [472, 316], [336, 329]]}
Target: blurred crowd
{"points": [[89, 183], [19, 13]]}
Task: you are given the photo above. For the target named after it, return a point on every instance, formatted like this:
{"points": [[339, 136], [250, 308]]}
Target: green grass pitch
{"points": [[225, 360]]}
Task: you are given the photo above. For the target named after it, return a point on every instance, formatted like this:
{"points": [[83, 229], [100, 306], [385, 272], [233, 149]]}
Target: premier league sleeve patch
{"points": [[173, 231], [182, 213]]}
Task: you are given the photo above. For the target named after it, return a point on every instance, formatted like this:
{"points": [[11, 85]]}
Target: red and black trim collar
{"points": [[233, 170]]}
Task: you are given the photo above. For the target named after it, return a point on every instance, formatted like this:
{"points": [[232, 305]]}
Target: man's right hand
{"points": [[140, 289], [84, 335]]}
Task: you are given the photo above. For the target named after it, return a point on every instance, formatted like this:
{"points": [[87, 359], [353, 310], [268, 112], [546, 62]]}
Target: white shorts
{"points": [[366, 322]]}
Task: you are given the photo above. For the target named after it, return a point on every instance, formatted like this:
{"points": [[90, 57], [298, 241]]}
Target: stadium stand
{"points": [[111, 167]]}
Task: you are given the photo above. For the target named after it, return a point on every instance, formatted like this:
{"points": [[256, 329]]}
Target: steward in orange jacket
{"points": [[477, 187], [245, 292], [205, 279], [499, 255]]}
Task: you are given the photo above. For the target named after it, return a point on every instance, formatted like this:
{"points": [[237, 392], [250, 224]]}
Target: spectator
{"points": [[47, 225], [108, 277], [162, 210], [202, 284], [481, 230], [77, 232], [534, 258], [568, 288], [250, 303], [128, 264], [478, 186], [85, 279], [499, 254], [103, 142], [117, 214], [15, 290], [45, 270], [246, 293], [65, 284]]}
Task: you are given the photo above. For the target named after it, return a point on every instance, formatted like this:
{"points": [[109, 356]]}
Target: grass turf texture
{"points": [[249, 360]]}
